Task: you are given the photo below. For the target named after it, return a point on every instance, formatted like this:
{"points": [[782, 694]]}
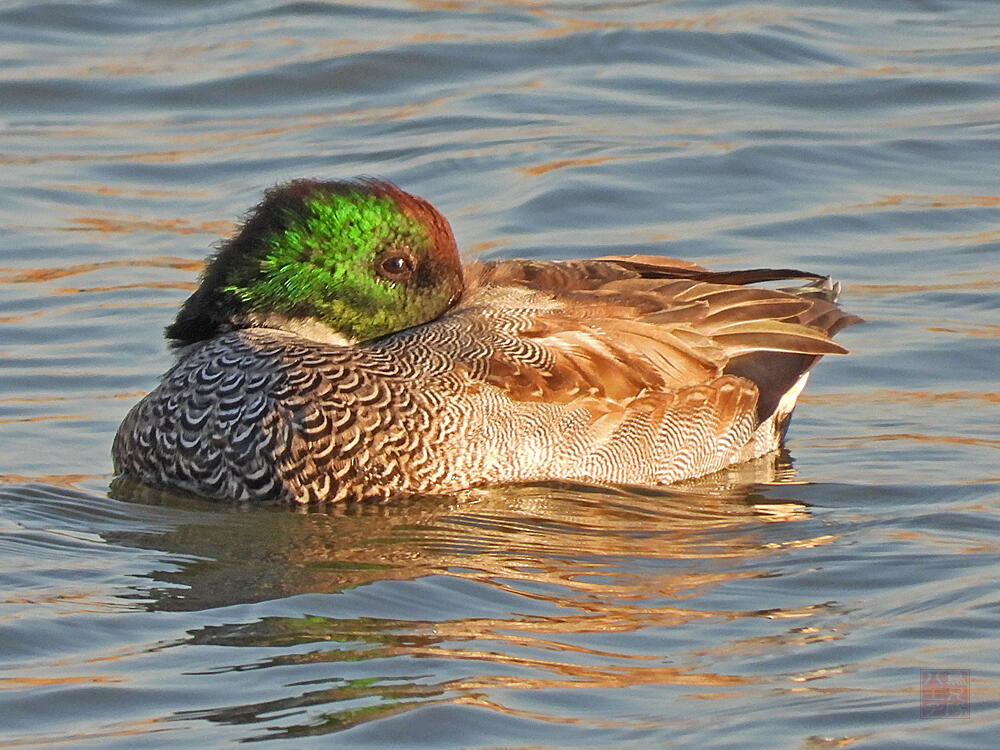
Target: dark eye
{"points": [[396, 265]]}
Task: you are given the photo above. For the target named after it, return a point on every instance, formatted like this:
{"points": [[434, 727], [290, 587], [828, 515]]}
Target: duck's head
{"points": [[353, 260]]}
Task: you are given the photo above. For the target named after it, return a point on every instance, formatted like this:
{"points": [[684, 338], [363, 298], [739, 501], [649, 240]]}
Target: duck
{"points": [[336, 349]]}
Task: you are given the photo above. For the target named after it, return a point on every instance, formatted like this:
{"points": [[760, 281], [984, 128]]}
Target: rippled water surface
{"points": [[789, 605]]}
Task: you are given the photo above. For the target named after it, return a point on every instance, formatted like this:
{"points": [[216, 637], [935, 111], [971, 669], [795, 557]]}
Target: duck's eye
{"points": [[396, 265]]}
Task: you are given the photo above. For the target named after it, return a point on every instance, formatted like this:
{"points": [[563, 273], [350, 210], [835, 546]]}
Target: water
{"points": [[790, 606]]}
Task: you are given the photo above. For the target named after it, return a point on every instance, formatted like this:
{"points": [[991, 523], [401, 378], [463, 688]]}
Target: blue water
{"points": [[790, 606]]}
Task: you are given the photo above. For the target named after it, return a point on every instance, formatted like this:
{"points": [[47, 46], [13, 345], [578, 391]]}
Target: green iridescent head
{"points": [[361, 259]]}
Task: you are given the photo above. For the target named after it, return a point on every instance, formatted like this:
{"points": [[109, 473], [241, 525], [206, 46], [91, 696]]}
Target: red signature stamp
{"points": [[944, 693]]}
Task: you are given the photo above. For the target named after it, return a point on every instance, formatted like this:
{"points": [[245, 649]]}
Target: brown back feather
{"points": [[616, 328]]}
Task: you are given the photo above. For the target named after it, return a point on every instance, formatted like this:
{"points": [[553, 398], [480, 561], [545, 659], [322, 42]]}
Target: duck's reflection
{"points": [[518, 587]]}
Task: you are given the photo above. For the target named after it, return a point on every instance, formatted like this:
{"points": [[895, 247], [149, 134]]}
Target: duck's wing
{"points": [[619, 328]]}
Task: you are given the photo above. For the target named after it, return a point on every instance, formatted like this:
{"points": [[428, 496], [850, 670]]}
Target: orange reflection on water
{"points": [[551, 166], [28, 683], [887, 395], [47, 418], [127, 224], [50, 274], [66, 481], [915, 200], [881, 289], [183, 286], [128, 191], [985, 330], [906, 436]]}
